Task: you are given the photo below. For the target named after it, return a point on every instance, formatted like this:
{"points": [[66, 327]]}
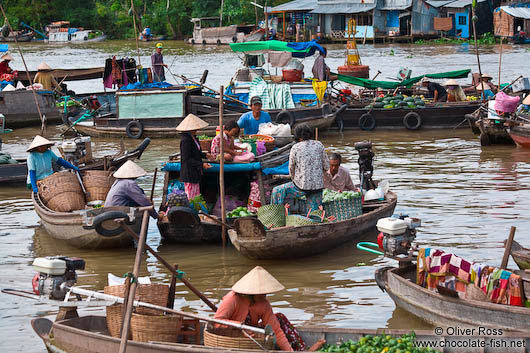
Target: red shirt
{"points": [[4, 67]]}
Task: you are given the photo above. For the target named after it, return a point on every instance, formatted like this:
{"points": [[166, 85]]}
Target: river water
{"points": [[467, 196]]}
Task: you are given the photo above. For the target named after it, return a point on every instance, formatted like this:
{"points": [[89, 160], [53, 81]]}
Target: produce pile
{"points": [[240, 212], [331, 195], [204, 138], [199, 204], [397, 101], [263, 138], [378, 344]]}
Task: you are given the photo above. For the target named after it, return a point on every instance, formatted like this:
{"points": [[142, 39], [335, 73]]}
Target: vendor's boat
{"points": [[69, 74], [61, 31], [89, 334], [520, 135], [252, 240], [183, 225], [443, 310], [490, 129], [20, 110], [521, 256]]}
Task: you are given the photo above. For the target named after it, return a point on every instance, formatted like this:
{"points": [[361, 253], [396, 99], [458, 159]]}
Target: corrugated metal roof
{"points": [[296, 5], [519, 12], [461, 3], [343, 8], [396, 5], [438, 3]]}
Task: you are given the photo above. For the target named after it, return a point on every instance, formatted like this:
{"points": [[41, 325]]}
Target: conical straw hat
{"points": [[479, 86], [526, 101], [43, 66], [7, 56], [129, 170], [39, 141], [451, 82], [192, 123], [257, 281], [487, 76]]}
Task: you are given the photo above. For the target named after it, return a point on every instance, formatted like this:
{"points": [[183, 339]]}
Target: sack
{"points": [[506, 103]]}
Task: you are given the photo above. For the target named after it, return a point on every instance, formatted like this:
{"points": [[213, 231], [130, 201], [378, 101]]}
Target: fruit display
{"points": [[199, 204], [239, 212], [264, 138], [378, 344], [397, 102], [331, 195]]}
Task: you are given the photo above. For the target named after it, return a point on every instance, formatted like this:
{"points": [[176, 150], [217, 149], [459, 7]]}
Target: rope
{"points": [[180, 274]]}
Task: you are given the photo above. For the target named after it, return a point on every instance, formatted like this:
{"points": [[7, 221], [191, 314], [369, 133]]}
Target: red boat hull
{"points": [[521, 135]]}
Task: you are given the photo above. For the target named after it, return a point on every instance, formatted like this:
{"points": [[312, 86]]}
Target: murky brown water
{"points": [[467, 197]]}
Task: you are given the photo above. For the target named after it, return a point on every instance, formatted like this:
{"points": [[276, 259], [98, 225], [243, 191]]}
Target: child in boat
{"points": [[231, 131]]}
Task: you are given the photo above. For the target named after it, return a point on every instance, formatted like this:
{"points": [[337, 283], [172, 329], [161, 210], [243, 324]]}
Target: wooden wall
{"points": [[502, 24]]}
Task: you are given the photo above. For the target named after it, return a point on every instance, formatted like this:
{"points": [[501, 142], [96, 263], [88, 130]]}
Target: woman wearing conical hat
{"points": [[40, 161], [246, 303], [192, 167], [455, 93], [45, 77], [125, 191]]}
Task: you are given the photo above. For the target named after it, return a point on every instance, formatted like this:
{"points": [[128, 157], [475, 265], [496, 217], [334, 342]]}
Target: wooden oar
{"points": [[508, 248]]}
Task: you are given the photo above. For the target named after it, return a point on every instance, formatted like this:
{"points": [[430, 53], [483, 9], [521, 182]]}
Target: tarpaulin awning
{"points": [[390, 5], [229, 167], [406, 83], [296, 5], [518, 12], [298, 49], [345, 7]]}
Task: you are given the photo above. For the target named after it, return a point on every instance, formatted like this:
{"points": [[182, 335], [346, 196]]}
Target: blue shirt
{"points": [[41, 163], [250, 124]]}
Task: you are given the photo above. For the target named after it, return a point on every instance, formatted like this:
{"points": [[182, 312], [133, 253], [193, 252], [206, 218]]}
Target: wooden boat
{"points": [[20, 38], [20, 110], [69, 74], [442, 310], [252, 240], [432, 116], [520, 255], [189, 228], [89, 334], [207, 31], [13, 173], [490, 131], [520, 135], [71, 227]]}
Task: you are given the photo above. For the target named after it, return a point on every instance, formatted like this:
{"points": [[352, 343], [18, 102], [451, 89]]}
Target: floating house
{"points": [[455, 17], [295, 19], [510, 19]]}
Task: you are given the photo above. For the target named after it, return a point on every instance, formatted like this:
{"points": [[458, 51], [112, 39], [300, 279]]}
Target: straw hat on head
{"points": [[486, 86], [39, 141], [425, 79], [451, 82], [487, 76], [6, 56], [526, 101], [44, 67], [258, 281], [129, 170], [192, 123]]}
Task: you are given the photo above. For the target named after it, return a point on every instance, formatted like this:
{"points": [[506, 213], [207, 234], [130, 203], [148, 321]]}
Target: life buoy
{"points": [[485, 140], [285, 116], [412, 121], [339, 123], [218, 42], [367, 122], [134, 125], [107, 216]]}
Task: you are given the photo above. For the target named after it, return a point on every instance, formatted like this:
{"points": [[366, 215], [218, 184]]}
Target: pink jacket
{"points": [[236, 308]]}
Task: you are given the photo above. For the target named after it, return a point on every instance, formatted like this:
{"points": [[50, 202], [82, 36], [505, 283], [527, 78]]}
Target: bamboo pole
{"points": [[508, 248], [136, 270], [136, 33], [153, 185], [222, 166], [42, 119], [221, 14], [500, 63], [476, 51]]}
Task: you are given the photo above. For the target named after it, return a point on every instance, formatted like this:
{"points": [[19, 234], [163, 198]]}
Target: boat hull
{"points": [[20, 110], [13, 173], [202, 233], [289, 242], [439, 310], [520, 135]]}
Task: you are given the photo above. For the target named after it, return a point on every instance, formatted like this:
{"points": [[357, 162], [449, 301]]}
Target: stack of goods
{"points": [[342, 205], [267, 140], [396, 102], [239, 212], [380, 343], [206, 142]]}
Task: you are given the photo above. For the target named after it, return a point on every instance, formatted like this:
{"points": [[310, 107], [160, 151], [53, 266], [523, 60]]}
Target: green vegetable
{"points": [[388, 106], [331, 195], [379, 105], [378, 99], [378, 344]]}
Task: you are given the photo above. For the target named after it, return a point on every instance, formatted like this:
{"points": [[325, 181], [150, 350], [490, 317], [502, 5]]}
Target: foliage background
{"points": [[169, 18]]}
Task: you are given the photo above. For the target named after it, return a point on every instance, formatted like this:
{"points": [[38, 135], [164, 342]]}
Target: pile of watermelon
{"points": [[397, 101]]}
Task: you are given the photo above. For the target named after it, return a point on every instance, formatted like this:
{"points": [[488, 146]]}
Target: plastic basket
{"points": [[344, 209], [272, 216]]}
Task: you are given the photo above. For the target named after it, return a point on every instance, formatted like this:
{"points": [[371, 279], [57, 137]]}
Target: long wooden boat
{"points": [[19, 38], [432, 116], [20, 110], [442, 310], [70, 74], [13, 173], [192, 229], [252, 240], [89, 334], [520, 255], [490, 131], [71, 227], [520, 135]]}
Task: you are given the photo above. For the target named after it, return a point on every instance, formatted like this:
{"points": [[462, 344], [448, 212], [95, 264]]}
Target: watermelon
{"points": [[388, 106], [418, 102], [409, 99], [403, 104], [379, 105], [411, 105], [379, 99], [399, 96]]}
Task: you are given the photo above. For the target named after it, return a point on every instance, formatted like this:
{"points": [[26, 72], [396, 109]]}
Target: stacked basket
{"points": [[344, 209], [61, 192], [272, 216]]}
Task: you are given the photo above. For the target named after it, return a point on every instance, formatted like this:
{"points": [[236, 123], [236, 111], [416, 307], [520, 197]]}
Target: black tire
{"points": [[136, 125], [183, 216], [285, 116], [218, 42], [485, 140], [367, 122], [339, 123], [234, 39], [106, 216], [412, 121], [193, 41], [142, 146], [204, 41]]}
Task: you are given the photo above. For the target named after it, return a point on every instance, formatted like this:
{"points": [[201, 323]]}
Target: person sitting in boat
{"points": [[125, 191], [147, 33], [308, 162], [486, 78], [40, 161], [191, 168], [455, 93], [231, 130], [45, 77], [525, 105], [250, 121], [7, 73], [487, 94], [436, 91], [247, 303], [337, 178], [157, 63], [320, 70]]}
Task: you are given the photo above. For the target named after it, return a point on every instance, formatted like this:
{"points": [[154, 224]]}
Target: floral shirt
{"points": [[307, 162], [215, 150]]}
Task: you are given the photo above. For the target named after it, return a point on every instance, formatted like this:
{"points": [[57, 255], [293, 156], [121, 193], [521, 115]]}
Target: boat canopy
{"points": [[298, 49], [405, 83]]}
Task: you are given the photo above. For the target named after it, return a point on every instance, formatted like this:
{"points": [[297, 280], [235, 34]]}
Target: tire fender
{"points": [[367, 122], [412, 121], [285, 116], [218, 42], [134, 124], [107, 216]]}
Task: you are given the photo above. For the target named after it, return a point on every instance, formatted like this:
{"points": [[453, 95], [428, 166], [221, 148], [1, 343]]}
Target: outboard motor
{"points": [[53, 272], [77, 151], [397, 234], [366, 167]]}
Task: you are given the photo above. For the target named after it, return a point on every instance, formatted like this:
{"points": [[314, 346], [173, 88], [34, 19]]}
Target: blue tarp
{"points": [[279, 170], [312, 45], [229, 167], [4, 47], [139, 85]]}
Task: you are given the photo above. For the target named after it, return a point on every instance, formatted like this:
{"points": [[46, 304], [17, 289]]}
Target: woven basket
{"points": [[297, 221], [344, 209], [161, 328], [235, 341], [475, 293], [206, 145], [97, 184], [61, 192], [150, 293], [272, 216]]}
